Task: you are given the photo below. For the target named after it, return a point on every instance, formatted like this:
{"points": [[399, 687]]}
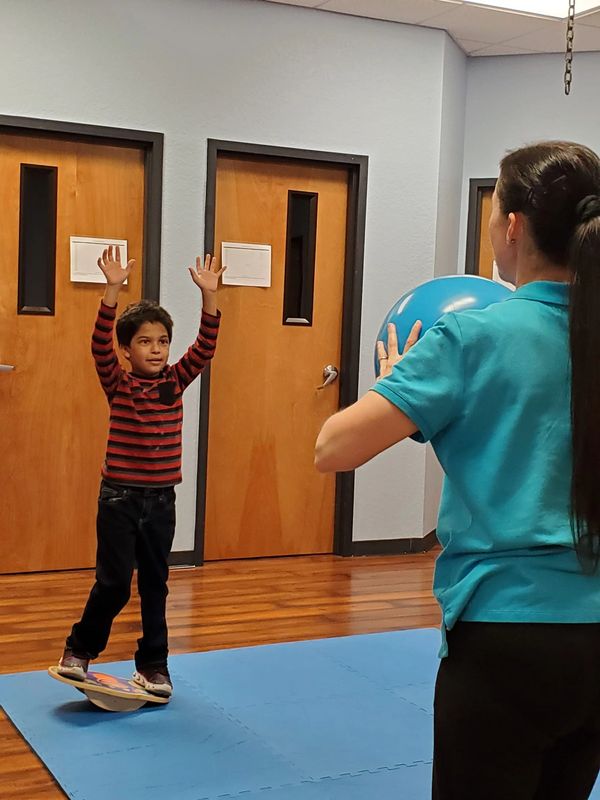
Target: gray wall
{"points": [[454, 93], [513, 100], [398, 493], [251, 71]]}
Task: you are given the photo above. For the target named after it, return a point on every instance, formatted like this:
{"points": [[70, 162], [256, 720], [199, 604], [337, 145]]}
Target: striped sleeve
{"points": [[107, 364], [201, 352]]}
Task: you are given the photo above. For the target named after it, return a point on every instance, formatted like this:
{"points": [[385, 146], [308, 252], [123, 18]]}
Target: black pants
{"points": [[133, 525], [517, 713]]}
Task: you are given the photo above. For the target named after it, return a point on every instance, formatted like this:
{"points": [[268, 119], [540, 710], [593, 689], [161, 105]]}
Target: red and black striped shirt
{"points": [[146, 414]]}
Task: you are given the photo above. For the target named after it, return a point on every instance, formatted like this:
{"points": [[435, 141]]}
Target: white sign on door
{"points": [[85, 253], [247, 264]]}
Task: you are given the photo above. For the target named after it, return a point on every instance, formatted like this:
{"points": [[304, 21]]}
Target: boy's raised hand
{"points": [[207, 276], [113, 270]]}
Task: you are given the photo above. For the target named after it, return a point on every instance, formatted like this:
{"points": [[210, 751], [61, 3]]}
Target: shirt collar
{"points": [[552, 292], [144, 379]]}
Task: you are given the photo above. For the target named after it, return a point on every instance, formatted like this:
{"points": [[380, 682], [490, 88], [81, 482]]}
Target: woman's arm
{"points": [[357, 434]]}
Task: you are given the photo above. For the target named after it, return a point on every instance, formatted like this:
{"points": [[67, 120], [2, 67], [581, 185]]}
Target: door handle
{"points": [[6, 367], [330, 375]]}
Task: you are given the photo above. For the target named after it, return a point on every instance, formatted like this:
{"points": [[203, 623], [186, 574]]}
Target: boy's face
{"points": [[148, 352]]}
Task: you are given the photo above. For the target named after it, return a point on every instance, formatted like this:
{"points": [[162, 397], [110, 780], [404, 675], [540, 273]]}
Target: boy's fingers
{"points": [[207, 261], [381, 353], [413, 336], [118, 254], [198, 263], [110, 252]]}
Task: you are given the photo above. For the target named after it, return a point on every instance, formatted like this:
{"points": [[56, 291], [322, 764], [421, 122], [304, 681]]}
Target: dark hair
{"points": [[556, 185], [134, 316]]}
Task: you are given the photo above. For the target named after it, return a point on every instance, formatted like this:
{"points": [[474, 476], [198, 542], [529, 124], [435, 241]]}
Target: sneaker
{"points": [[155, 680], [72, 666]]}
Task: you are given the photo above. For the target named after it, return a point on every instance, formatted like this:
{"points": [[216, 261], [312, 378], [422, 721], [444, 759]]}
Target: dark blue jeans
{"points": [[133, 526]]}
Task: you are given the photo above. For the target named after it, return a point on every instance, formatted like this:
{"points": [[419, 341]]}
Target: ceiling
{"points": [[477, 30]]}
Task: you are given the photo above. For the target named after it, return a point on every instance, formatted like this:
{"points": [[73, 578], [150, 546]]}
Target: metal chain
{"points": [[569, 50]]}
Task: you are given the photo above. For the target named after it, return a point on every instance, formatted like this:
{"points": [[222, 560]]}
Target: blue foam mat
{"points": [[301, 720], [334, 719]]}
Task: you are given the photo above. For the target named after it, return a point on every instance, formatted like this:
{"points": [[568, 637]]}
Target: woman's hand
{"points": [[387, 360]]}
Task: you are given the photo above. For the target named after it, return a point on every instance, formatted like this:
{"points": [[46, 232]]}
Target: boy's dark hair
{"points": [[134, 316]]}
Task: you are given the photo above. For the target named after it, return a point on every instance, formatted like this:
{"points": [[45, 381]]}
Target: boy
{"points": [[136, 506]]}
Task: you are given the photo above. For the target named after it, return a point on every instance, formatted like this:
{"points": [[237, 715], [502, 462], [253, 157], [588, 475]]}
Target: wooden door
{"points": [[486, 254], [53, 414], [264, 497]]}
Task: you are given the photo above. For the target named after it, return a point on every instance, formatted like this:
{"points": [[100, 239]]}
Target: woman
{"points": [[509, 397]]}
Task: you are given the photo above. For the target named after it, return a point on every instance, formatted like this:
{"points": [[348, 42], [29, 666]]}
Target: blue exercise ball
{"points": [[431, 300]]}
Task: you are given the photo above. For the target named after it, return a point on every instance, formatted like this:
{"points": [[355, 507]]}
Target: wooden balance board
{"points": [[110, 693]]}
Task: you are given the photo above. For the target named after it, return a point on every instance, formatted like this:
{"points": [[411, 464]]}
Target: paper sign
{"points": [[247, 264], [85, 253]]}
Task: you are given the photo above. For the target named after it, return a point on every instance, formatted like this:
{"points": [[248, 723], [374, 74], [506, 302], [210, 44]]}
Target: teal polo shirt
{"points": [[490, 390]]}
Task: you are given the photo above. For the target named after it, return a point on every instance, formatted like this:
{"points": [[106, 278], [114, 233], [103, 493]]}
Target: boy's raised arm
{"points": [[201, 352], [107, 364]]}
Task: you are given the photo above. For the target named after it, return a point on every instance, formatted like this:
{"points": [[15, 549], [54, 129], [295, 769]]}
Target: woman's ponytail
{"points": [[556, 185], [584, 325]]}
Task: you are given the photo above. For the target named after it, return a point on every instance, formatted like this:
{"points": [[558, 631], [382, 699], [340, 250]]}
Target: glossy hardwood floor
{"points": [[221, 605]]}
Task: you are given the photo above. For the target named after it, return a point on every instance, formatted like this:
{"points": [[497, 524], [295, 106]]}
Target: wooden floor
{"points": [[221, 605]]}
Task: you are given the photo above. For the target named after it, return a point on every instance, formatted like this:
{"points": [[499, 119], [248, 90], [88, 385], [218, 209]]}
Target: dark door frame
{"points": [[477, 186], [351, 318], [152, 145]]}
